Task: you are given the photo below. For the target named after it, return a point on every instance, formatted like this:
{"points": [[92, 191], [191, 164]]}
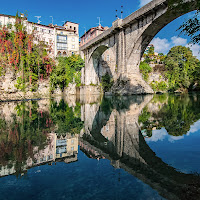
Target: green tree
{"points": [[145, 69], [68, 70], [151, 51], [65, 119], [106, 82], [181, 66], [176, 114]]}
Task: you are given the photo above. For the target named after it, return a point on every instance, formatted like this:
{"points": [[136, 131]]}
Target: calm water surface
{"points": [[140, 147]]}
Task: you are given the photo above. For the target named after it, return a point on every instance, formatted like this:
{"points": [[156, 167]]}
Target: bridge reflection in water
{"points": [[111, 131], [115, 135]]}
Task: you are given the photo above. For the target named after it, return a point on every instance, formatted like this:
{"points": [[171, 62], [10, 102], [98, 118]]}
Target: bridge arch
{"points": [[98, 65], [128, 38], [149, 31]]}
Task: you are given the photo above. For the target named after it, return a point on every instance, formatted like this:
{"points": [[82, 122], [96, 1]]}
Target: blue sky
{"points": [[86, 12]]}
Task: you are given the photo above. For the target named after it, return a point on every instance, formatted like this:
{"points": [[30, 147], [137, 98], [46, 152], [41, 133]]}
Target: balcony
{"points": [[61, 48], [61, 41]]}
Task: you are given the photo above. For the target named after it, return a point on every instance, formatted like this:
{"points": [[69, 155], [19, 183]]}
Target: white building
{"points": [[63, 40]]}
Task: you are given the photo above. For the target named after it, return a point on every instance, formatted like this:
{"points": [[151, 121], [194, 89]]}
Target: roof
{"points": [[47, 26], [70, 22], [94, 28]]}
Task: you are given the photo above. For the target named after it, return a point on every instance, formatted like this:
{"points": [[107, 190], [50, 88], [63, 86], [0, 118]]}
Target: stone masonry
{"points": [[126, 42]]}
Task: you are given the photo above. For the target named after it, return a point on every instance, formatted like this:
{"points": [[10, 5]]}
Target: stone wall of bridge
{"points": [[125, 43]]}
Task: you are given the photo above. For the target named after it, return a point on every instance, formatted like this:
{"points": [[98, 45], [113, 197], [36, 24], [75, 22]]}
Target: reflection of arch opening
{"points": [[138, 159]]}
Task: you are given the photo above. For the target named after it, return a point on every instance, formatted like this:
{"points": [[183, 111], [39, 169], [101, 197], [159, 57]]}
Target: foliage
{"points": [[145, 69], [20, 136], [106, 82], [144, 116], [191, 27], [176, 115], [65, 119], [67, 71], [18, 52], [181, 67], [159, 86], [151, 51]]}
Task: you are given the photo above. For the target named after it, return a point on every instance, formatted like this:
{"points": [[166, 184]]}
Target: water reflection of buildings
{"points": [[59, 148]]}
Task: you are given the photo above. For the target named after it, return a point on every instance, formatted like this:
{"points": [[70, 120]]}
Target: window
{"points": [[61, 38], [72, 148], [72, 141], [70, 27], [61, 33], [73, 39], [73, 46], [74, 28], [61, 46]]}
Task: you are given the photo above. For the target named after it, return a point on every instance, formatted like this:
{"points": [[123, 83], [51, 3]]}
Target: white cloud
{"points": [[178, 41], [195, 49], [144, 2], [194, 128], [157, 135], [162, 134], [164, 45], [161, 45]]}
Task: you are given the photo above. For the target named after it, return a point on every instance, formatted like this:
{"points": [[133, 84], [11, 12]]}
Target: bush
{"points": [[145, 69], [106, 82], [159, 86], [67, 71]]}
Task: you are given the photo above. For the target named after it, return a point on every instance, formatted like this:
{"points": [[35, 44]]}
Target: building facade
{"points": [[62, 40], [92, 33]]}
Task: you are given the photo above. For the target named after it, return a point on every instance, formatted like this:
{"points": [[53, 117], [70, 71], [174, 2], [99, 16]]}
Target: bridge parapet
{"points": [[117, 24]]}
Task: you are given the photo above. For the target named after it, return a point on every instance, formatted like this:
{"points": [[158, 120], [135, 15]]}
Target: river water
{"points": [[139, 147]]}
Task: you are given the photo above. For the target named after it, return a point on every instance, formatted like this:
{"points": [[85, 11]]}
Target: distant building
{"points": [[91, 34], [63, 40]]}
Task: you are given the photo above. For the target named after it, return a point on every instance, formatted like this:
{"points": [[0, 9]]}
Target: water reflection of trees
{"points": [[27, 131], [18, 137], [115, 135], [67, 119], [176, 114]]}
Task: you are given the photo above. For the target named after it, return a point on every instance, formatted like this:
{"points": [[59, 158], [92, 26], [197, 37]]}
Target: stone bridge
{"points": [[124, 44]]}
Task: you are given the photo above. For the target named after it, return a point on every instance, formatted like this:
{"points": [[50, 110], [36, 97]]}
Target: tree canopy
{"points": [[181, 67], [68, 70]]}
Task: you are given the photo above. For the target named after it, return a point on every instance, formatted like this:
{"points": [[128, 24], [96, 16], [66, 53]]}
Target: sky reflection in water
{"points": [[96, 150]]}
